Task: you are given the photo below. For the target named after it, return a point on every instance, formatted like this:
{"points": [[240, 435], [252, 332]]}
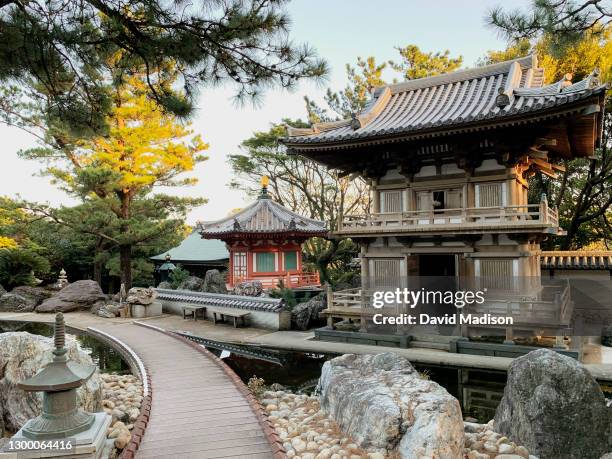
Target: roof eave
{"points": [[440, 131]]}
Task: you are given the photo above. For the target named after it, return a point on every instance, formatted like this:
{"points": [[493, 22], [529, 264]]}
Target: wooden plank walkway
{"points": [[197, 411]]}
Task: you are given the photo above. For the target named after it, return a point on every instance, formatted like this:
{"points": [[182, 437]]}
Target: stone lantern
{"points": [[166, 269], [61, 418]]}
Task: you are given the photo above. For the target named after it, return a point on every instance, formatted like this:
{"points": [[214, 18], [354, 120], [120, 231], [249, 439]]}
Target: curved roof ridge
{"points": [[263, 216], [526, 62]]}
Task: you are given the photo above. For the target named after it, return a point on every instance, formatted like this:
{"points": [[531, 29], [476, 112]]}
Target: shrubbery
{"points": [[19, 266]]}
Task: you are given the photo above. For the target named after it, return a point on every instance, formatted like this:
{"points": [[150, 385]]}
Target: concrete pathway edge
{"points": [[261, 415], [139, 368]]}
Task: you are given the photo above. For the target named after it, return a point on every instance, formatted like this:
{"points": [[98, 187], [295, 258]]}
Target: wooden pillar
{"points": [[375, 197]]}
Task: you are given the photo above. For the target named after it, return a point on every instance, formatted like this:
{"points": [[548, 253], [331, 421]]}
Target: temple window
{"points": [[264, 262], [489, 195], [290, 261], [240, 264], [391, 201], [439, 199]]}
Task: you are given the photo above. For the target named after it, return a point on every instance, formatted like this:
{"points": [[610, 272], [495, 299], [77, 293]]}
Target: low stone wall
{"points": [[274, 320]]}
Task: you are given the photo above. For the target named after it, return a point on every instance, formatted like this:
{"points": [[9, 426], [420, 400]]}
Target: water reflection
{"points": [[104, 356]]}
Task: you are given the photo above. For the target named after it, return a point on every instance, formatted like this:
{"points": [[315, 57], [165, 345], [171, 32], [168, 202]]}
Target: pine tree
{"points": [[145, 147], [57, 52]]}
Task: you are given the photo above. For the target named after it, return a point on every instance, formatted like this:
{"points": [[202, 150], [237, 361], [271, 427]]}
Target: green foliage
{"points": [[19, 266], [59, 52], [178, 276], [287, 294], [415, 63], [565, 22]]}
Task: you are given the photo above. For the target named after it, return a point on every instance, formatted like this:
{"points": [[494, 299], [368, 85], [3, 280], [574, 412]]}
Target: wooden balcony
{"points": [[519, 218], [289, 280], [547, 307]]}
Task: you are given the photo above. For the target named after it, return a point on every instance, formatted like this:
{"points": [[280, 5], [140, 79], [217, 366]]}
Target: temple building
{"points": [[264, 241], [448, 159], [193, 254]]}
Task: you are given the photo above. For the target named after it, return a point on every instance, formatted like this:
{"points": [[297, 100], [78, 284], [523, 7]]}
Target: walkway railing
{"points": [[474, 216], [289, 280]]}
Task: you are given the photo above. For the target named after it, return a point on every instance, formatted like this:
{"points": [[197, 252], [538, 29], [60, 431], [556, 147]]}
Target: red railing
{"points": [[289, 280]]}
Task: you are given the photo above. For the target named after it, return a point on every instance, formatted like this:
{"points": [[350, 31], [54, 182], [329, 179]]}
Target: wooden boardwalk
{"points": [[197, 411]]}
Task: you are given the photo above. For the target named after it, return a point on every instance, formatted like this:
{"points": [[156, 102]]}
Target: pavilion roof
{"points": [[460, 101], [193, 250], [263, 217]]}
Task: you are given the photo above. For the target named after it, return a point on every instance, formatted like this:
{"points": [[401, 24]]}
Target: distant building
{"points": [[196, 255], [265, 243]]}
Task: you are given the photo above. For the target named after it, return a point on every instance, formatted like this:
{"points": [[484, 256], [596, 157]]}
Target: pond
{"points": [[107, 359], [479, 392]]}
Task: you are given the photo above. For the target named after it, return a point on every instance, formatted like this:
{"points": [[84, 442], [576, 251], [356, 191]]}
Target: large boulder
{"points": [[165, 285], [13, 302], [248, 288], [22, 355], [554, 407], [214, 282], [382, 402], [81, 294], [38, 294], [303, 314], [192, 283], [141, 295]]}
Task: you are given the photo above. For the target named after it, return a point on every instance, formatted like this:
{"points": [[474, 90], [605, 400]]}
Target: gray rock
{"points": [[13, 302], [2, 290], [192, 283], [606, 456], [22, 355], [214, 282], [248, 288], [165, 285], [554, 407], [106, 313], [606, 336], [38, 294], [303, 314], [81, 294], [141, 295], [382, 402]]}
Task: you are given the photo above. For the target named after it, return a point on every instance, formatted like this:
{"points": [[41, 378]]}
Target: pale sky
{"points": [[340, 30]]}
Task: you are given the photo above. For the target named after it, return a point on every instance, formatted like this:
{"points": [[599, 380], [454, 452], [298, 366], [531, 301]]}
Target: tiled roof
{"points": [[494, 93], [195, 249], [250, 303], [576, 260], [263, 216]]}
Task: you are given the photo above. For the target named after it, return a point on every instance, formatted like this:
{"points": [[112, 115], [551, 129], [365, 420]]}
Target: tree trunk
{"points": [[125, 249], [97, 272], [125, 263]]}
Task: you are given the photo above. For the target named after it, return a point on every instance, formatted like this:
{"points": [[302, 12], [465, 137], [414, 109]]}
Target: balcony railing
{"points": [[548, 306], [289, 280], [473, 216]]}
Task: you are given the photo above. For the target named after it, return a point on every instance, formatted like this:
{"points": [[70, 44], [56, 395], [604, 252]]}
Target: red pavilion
{"points": [[265, 243]]}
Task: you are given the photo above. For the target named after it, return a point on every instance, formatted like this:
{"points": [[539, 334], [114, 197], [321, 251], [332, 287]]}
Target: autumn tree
{"points": [[115, 174], [56, 52], [582, 192], [415, 63], [564, 22]]}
